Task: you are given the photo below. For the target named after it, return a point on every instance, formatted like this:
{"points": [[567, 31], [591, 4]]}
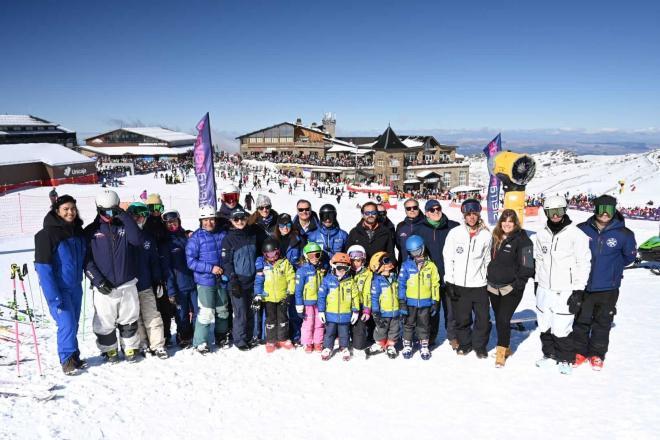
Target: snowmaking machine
{"points": [[515, 171]]}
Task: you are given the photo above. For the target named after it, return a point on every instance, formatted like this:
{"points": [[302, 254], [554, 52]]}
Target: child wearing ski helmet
{"points": [[362, 330], [308, 280], [563, 263], [339, 304], [273, 284], [384, 297], [328, 235], [419, 293]]}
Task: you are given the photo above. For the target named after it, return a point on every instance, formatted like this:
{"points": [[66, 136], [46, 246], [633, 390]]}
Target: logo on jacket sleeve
{"points": [[147, 245], [611, 242], [459, 250], [544, 249]]}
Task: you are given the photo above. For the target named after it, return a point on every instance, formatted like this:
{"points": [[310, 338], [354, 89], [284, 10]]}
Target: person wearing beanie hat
{"points": [[612, 247], [431, 204], [264, 218], [58, 259]]}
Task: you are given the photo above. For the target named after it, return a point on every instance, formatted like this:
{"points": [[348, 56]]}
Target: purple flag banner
{"points": [[203, 159], [493, 199]]}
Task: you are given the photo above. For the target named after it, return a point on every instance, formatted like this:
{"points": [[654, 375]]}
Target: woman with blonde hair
{"points": [[511, 265]]}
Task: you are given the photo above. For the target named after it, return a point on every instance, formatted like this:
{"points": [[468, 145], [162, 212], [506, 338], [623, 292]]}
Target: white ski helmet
{"points": [[206, 211], [552, 202], [107, 199], [356, 251], [229, 189]]}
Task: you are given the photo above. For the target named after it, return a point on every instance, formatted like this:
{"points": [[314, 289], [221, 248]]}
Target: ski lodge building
{"points": [[139, 142], [411, 162], [22, 129]]}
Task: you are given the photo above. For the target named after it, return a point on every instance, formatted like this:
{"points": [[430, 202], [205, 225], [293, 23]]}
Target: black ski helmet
{"points": [[328, 211], [270, 245]]}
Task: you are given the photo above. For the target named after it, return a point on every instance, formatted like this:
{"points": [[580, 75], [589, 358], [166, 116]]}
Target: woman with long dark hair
{"points": [[511, 265]]}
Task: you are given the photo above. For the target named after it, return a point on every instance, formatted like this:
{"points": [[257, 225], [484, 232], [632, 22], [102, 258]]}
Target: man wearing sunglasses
{"points": [[369, 233], [384, 220], [433, 228], [239, 254], [264, 219], [305, 221], [406, 227], [612, 247], [111, 266], [563, 262]]}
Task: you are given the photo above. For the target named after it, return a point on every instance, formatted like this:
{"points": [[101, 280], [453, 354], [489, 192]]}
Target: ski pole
{"points": [[41, 298], [18, 358], [25, 272], [29, 313]]}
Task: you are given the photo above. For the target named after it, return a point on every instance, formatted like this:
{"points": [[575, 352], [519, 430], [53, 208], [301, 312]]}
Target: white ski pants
{"points": [[150, 324], [120, 309], [552, 311]]}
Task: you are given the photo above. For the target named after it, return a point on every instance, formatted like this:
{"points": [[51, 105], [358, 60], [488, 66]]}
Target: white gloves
{"points": [[354, 318], [159, 291], [300, 309], [321, 316]]}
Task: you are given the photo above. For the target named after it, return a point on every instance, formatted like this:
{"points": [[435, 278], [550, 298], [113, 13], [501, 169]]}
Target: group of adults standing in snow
{"points": [[286, 281]]}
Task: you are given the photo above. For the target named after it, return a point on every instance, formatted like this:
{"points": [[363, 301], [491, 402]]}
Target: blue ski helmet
{"points": [[415, 245]]}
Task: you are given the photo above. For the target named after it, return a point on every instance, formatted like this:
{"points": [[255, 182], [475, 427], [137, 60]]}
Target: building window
{"points": [[394, 162], [462, 178], [380, 162], [260, 140], [395, 170], [394, 177], [429, 157], [380, 177], [446, 179], [411, 175]]}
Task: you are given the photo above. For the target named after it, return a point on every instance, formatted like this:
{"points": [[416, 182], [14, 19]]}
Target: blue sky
{"points": [[419, 65]]}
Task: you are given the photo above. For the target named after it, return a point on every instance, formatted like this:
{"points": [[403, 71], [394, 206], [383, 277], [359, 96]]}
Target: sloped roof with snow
{"points": [[137, 150], [49, 154], [162, 134], [23, 120]]}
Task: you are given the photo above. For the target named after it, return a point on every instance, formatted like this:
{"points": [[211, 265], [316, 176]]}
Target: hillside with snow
{"points": [[294, 395]]}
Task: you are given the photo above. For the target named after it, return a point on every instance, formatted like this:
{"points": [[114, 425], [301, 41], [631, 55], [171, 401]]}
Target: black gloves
{"points": [[574, 302], [403, 307], [378, 320], [450, 291], [434, 308], [105, 287], [234, 289]]}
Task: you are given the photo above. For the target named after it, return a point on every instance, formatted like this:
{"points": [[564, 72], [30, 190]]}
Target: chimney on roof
{"points": [[298, 121], [330, 123], [313, 125]]}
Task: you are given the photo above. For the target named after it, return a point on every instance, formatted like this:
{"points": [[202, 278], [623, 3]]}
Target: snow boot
{"points": [[391, 352], [481, 354], [373, 350], [309, 348], [318, 348], [69, 367], [565, 368], [453, 343], [202, 348], [111, 356], [407, 351], [326, 354], [579, 360], [222, 341], [161, 353], [131, 355], [425, 352], [596, 363], [546, 362], [500, 356], [463, 351], [270, 347], [81, 364], [345, 354], [287, 345]]}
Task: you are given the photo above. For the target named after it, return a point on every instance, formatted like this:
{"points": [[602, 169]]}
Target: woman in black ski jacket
{"points": [[511, 265]]}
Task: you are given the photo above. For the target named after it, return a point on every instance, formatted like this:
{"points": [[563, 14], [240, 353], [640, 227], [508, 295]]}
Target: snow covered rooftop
{"points": [[23, 120], [162, 134], [136, 150], [50, 154], [412, 142]]}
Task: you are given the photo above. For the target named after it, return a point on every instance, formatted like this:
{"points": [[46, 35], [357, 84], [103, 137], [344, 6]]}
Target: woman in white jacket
{"points": [[563, 262], [466, 255]]}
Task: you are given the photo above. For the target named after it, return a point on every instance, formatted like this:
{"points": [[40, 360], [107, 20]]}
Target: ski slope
{"points": [[235, 395]]}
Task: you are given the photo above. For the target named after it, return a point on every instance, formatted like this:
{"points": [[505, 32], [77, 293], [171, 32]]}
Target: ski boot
{"points": [[407, 351], [546, 362], [81, 364], [270, 347], [453, 343], [373, 350], [326, 354], [565, 368], [222, 341], [202, 348], [579, 360], [287, 345], [111, 356], [318, 348], [596, 363], [425, 352], [345, 354], [131, 355], [309, 348], [161, 353], [69, 367], [481, 354], [391, 352]]}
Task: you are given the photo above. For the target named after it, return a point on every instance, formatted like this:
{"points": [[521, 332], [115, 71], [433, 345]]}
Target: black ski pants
{"points": [[591, 328], [503, 308], [472, 300], [167, 311], [362, 333], [417, 321], [450, 322], [277, 322], [559, 349]]}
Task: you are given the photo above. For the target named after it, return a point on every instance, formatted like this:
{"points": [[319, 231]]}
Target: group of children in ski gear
{"points": [[304, 281]]}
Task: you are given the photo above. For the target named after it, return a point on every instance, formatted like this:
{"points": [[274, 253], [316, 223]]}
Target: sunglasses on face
{"points": [[605, 209], [417, 252], [239, 219], [382, 213], [263, 208], [155, 207], [435, 209], [369, 213], [304, 209], [285, 225], [559, 212], [412, 208]]}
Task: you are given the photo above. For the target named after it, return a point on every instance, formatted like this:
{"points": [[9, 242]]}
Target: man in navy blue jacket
{"points": [[111, 267], [613, 247]]}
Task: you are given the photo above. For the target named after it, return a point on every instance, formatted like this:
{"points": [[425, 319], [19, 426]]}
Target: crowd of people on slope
{"points": [[349, 161], [301, 280], [585, 202]]}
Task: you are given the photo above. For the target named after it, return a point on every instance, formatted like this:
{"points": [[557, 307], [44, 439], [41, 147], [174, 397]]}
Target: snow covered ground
{"points": [[235, 395]]}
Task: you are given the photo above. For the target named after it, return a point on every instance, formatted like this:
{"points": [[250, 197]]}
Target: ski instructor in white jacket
{"points": [[466, 255], [563, 262]]}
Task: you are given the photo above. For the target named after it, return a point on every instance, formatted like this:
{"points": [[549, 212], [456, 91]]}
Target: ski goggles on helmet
{"points": [[328, 216], [357, 255], [230, 198], [559, 212], [385, 261], [313, 255], [108, 212], [417, 252], [156, 207], [170, 216], [471, 207], [272, 255], [605, 209], [341, 267]]}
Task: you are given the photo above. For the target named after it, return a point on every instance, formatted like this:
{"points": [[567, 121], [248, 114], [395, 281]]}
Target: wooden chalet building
{"points": [[139, 142]]}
